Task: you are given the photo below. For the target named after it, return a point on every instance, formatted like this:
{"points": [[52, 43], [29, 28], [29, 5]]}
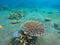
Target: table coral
{"points": [[33, 28]]}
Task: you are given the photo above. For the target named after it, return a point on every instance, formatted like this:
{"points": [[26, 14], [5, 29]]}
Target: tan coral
{"points": [[33, 28]]}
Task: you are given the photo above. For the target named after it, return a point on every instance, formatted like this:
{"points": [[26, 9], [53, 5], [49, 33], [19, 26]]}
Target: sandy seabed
{"points": [[50, 36]]}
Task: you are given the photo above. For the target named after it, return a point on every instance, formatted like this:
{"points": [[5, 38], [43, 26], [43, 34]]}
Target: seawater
{"points": [[35, 10]]}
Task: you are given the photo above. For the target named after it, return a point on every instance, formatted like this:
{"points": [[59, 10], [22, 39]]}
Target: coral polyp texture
{"points": [[33, 28]]}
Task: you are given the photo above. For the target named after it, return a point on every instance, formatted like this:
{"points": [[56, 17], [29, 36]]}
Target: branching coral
{"points": [[33, 28]]}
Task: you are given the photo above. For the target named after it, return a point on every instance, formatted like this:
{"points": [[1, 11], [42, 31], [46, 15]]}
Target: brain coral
{"points": [[33, 28]]}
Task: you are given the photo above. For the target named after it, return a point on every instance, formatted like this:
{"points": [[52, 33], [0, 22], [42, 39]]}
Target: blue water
{"points": [[34, 10], [30, 3]]}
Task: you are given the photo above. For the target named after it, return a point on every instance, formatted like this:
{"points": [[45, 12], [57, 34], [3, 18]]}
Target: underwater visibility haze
{"points": [[29, 22]]}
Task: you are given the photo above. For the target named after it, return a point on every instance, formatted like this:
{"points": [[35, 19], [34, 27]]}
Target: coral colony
{"points": [[16, 15], [28, 33], [33, 28]]}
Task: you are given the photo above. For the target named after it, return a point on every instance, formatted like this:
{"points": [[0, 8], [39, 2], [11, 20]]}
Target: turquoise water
{"points": [[35, 10]]}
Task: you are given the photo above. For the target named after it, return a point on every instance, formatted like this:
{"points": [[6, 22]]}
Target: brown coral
{"points": [[33, 28]]}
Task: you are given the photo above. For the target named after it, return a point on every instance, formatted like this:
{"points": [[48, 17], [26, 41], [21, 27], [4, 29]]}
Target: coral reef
{"points": [[33, 28], [16, 15], [22, 38]]}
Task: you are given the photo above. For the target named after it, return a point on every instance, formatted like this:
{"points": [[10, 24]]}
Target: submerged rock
{"points": [[1, 27], [59, 32], [47, 19], [18, 32], [15, 21], [57, 26]]}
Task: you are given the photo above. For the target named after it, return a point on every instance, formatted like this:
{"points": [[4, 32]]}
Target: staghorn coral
{"points": [[33, 28], [16, 15]]}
